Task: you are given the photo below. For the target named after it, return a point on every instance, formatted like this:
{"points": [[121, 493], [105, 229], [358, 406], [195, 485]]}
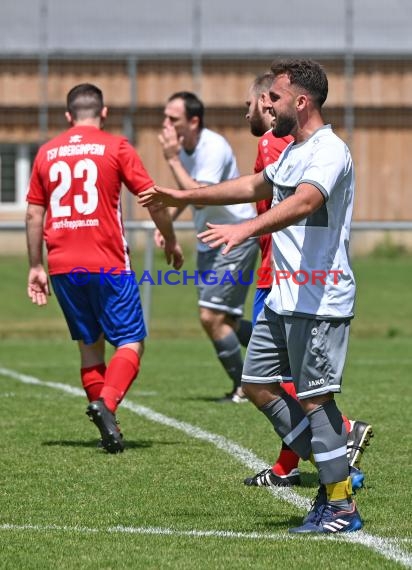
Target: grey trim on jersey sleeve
{"points": [[318, 186], [319, 218], [312, 182]]}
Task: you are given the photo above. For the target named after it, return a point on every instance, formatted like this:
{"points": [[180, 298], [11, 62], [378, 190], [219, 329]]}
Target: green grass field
{"points": [[175, 498]]}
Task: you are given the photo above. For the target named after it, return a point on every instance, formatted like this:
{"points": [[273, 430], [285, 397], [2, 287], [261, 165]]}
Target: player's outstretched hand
{"points": [[38, 286], [174, 254], [159, 196], [223, 234]]}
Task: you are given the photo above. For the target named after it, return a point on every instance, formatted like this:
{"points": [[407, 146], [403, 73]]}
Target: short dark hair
{"points": [[262, 83], [85, 101], [306, 73], [193, 105]]}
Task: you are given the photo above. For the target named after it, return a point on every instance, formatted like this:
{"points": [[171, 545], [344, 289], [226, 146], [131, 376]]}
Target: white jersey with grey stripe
{"points": [[315, 249], [211, 162]]}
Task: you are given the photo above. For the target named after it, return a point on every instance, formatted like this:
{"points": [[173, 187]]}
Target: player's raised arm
{"points": [[306, 200], [242, 190], [160, 196]]}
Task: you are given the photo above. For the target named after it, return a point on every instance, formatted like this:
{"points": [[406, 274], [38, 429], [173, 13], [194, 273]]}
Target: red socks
{"points": [[289, 388], [112, 383], [93, 380], [121, 371], [286, 461], [347, 423]]}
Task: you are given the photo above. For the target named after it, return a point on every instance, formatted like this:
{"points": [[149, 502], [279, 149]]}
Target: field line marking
{"points": [[389, 548], [120, 529]]}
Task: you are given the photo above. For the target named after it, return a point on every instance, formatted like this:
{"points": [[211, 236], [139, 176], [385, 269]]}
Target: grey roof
{"points": [[225, 27]]}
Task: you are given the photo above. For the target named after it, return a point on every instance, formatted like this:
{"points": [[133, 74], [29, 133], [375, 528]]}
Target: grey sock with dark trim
{"points": [[290, 423], [329, 437], [230, 355]]}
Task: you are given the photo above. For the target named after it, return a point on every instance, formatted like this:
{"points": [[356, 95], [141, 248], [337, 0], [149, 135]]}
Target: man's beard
{"points": [[257, 125], [284, 125]]}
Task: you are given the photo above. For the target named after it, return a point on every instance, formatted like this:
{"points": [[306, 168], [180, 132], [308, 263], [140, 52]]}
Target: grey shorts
{"points": [[224, 280], [310, 352]]}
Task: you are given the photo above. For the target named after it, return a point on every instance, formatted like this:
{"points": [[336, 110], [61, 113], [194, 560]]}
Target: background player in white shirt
{"points": [[199, 157]]}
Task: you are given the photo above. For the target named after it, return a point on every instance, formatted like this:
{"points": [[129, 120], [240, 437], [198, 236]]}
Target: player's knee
{"points": [[210, 320], [254, 392], [311, 404], [261, 394], [140, 348], [247, 389]]}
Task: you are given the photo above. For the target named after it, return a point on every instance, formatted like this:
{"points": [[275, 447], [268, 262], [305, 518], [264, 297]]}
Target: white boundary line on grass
{"points": [[389, 548], [152, 530]]}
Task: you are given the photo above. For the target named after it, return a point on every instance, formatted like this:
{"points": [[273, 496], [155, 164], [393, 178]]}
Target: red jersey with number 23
{"points": [[77, 177], [269, 150]]}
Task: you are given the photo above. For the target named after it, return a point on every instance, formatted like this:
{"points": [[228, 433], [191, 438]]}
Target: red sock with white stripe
{"points": [[121, 371], [93, 380]]}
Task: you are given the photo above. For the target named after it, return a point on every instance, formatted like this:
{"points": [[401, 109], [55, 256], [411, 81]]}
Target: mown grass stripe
{"points": [[388, 548]]}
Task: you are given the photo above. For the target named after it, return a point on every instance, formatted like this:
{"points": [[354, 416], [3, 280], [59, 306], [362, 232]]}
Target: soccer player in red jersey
{"points": [[269, 149], [74, 207]]}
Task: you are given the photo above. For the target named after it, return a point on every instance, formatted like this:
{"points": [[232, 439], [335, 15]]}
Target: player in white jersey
{"points": [[303, 330], [199, 157], [285, 471], [314, 250]]}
